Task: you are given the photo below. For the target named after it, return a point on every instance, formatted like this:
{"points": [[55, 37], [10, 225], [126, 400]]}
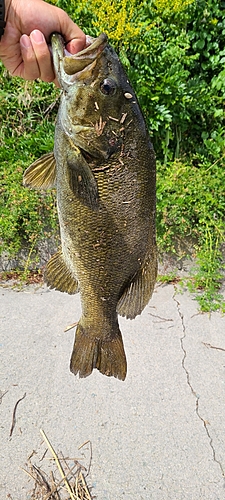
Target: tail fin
{"points": [[107, 355]]}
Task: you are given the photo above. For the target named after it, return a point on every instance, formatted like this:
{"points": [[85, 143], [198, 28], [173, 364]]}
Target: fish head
{"points": [[97, 100]]}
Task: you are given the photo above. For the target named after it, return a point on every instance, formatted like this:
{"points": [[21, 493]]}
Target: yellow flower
{"points": [[116, 18], [172, 7]]}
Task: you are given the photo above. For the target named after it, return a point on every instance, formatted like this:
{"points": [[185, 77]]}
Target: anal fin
{"points": [[58, 276], [139, 291]]}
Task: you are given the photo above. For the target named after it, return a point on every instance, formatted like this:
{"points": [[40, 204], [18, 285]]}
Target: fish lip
{"points": [[69, 66], [94, 47], [57, 50]]}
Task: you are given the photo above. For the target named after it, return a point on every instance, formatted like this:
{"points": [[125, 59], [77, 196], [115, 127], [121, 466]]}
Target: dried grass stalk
{"points": [[51, 487]]}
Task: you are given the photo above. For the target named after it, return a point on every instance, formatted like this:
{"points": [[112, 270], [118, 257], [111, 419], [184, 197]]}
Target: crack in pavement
{"points": [[181, 316]]}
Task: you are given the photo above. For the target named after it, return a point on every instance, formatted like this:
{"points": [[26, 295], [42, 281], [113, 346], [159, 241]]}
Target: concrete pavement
{"points": [[159, 435]]}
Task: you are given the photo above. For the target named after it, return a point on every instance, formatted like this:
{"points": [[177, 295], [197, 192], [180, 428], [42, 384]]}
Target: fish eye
{"points": [[108, 87]]}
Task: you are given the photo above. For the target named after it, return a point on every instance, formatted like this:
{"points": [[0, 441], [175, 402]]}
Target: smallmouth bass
{"points": [[103, 167]]}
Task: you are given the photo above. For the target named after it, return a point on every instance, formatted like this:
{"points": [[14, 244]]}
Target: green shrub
{"points": [[190, 210], [26, 133]]}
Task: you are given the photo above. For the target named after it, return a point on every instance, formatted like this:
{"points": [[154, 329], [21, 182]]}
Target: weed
{"points": [[168, 278]]}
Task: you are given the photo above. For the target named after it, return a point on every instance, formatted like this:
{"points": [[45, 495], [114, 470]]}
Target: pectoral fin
{"points": [[139, 291], [82, 180], [42, 173], [58, 276]]}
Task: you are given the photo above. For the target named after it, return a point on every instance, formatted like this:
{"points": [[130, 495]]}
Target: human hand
{"points": [[29, 24]]}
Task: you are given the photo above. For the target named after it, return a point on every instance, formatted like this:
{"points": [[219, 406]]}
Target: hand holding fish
{"points": [[24, 46]]}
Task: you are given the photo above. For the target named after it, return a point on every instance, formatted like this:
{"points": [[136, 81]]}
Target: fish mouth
{"points": [[70, 67]]}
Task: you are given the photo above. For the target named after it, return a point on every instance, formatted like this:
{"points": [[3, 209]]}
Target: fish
{"points": [[104, 169]]}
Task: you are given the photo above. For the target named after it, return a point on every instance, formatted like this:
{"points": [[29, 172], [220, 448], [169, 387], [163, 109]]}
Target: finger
{"points": [[30, 69], [73, 35], [76, 45], [43, 56]]}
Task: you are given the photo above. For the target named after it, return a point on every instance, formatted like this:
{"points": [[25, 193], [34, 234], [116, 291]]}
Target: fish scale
{"points": [[103, 166]]}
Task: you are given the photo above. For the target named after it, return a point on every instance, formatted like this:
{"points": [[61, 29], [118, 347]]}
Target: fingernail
{"points": [[37, 36], [25, 41]]}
